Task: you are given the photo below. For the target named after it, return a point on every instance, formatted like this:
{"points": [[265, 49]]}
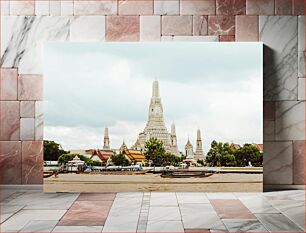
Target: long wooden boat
{"points": [[186, 174]]}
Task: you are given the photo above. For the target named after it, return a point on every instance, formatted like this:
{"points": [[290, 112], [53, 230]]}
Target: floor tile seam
{"points": [[141, 213], [11, 216]]}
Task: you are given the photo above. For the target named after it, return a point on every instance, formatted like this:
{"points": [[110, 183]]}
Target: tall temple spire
{"points": [[199, 150], [106, 139], [155, 89], [155, 126]]}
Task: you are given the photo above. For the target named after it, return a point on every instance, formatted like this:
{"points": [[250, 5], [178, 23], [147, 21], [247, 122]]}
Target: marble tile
{"points": [[42, 7], [176, 25], [30, 87], [87, 28], [247, 28], [27, 129], [27, 109], [225, 38], [299, 162], [127, 215], [40, 200], [279, 34], [277, 162], [298, 7], [17, 47], [221, 195], [260, 7], [294, 210], [165, 226], [122, 28], [301, 47], [291, 195], [164, 213], [86, 213], [237, 225], [200, 230], [283, 7], [231, 209], [67, 7], [135, 7], [74, 229], [55, 8], [130, 195], [221, 25], [196, 216], [23, 217], [22, 7], [166, 7], [258, 205], [39, 226], [194, 38], [107, 7], [163, 199], [290, 120], [269, 110], [39, 120], [9, 120], [5, 7], [230, 7], [203, 7], [200, 25], [97, 197], [150, 28], [8, 87], [5, 194], [277, 223], [269, 131], [32, 160], [192, 198], [9, 210], [10, 158]]}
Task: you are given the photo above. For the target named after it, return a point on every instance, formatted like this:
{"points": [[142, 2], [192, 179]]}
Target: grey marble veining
{"points": [[23, 38], [238, 225], [301, 46], [279, 35], [290, 120], [9, 210], [39, 226], [278, 223], [278, 163]]}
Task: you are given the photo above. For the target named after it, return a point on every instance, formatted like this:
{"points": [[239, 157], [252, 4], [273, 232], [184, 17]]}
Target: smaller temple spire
{"points": [[173, 129], [106, 139], [199, 150]]}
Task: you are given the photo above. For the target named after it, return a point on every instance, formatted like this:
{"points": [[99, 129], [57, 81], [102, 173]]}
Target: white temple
{"points": [[155, 126]]}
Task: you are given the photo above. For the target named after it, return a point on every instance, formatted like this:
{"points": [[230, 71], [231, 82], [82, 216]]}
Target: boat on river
{"points": [[186, 174]]}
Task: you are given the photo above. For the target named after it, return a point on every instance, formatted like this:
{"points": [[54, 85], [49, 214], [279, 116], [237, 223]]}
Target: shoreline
{"points": [[227, 182]]}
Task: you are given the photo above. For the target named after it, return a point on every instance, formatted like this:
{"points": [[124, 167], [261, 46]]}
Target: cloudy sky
{"points": [[216, 87]]}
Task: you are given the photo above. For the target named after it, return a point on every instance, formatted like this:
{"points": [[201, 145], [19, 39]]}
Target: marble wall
{"points": [[26, 25]]}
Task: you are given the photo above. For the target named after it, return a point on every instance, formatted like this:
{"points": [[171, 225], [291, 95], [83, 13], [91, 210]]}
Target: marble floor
{"points": [[35, 211]]}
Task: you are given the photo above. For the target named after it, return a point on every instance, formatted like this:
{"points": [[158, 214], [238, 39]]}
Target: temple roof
{"points": [[134, 155]]}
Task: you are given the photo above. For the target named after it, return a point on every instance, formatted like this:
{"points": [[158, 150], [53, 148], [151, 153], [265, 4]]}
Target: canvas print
{"points": [[159, 117]]}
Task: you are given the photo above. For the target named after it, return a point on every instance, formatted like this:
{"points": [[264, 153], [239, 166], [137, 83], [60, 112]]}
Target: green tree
{"points": [[52, 151], [220, 154], [248, 153], [120, 160], [155, 151]]}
